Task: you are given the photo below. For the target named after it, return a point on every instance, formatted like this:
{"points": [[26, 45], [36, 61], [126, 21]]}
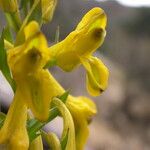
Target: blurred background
{"points": [[123, 119]]}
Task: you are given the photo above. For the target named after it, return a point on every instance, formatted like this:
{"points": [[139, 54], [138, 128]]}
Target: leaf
{"points": [[64, 141], [33, 126], [64, 96], [36, 135], [7, 34], [3, 62]]}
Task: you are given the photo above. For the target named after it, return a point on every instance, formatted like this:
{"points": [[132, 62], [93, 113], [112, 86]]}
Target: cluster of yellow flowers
{"points": [[36, 88]]}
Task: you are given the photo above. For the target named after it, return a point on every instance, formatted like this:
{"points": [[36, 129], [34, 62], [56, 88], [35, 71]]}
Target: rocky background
{"points": [[123, 119]]}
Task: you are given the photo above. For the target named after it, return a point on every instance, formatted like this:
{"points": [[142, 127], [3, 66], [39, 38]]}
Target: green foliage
{"points": [[3, 59], [35, 125], [7, 34], [64, 141], [23, 3]]}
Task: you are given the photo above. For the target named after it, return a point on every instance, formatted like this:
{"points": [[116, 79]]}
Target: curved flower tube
{"points": [[26, 63], [82, 110], [79, 45]]}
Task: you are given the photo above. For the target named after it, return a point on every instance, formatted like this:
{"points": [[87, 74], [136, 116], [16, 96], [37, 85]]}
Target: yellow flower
{"points": [[78, 47], [48, 8], [8, 5], [82, 110], [13, 134], [26, 63]]}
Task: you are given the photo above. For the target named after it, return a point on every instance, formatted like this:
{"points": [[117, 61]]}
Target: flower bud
{"points": [[48, 8], [8, 5]]}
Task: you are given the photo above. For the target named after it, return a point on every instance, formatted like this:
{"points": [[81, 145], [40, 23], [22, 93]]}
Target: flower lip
{"points": [[98, 32], [34, 55]]}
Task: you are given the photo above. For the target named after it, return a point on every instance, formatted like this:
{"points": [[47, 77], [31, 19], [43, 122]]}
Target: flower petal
{"points": [[97, 75], [30, 56], [31, 29], [95, 17], [37, 91]]}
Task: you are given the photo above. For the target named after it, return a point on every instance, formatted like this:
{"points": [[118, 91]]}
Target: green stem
{"points": [[13, 21]]}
